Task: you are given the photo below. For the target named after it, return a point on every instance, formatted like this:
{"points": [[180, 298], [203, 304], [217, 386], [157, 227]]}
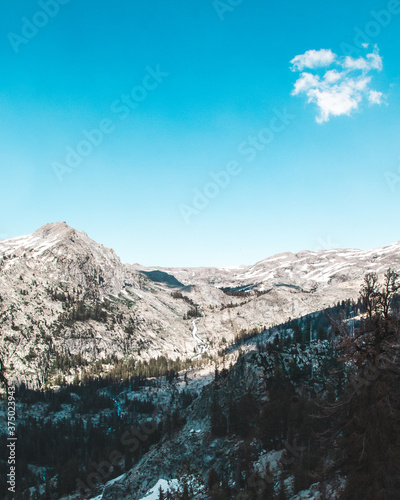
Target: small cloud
{"points": [[372, 61], [355, 64], [332, 76], [313, 59], [375, 97], [340, 90], [305, 82], [338, 100], [375, 60]]}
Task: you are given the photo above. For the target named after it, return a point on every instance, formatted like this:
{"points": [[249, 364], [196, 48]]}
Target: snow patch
{"points": [[166, 486]]}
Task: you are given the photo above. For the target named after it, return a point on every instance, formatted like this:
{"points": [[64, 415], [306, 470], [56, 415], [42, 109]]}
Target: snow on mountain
{"points": [[304, 269], [65, 253]]}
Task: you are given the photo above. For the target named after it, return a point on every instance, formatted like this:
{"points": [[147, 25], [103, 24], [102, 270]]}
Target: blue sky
{"points": [[179, 90]]}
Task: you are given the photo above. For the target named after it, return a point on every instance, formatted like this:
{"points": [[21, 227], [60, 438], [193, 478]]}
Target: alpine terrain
{"points": [[143, 383]]}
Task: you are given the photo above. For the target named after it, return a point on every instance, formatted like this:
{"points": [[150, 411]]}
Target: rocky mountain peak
{"points": [[59, 230], [46, 238], [57, 252]]}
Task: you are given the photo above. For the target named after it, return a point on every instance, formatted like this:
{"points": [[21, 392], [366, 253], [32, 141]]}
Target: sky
{"points": [[202, 132]]}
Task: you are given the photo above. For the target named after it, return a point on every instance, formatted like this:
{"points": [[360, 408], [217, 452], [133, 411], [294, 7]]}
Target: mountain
{"points": [[59, 252], [64, 296]]}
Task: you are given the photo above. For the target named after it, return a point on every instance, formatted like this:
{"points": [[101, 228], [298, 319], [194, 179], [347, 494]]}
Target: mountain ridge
{"points": [[62, 292]]}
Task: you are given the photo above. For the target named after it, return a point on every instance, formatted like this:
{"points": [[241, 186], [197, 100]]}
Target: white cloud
{"points": [[375, 60], [341, 90], [338, 99], [305, 82], [313, 59], [372, 61], [360, 63], [332, 76], [375, 97]]}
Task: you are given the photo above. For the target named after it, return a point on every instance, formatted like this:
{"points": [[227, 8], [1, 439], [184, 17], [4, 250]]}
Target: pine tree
{"points": [[47, 492], [185, 493], [282, 490], [213, 479], [218, 419]]}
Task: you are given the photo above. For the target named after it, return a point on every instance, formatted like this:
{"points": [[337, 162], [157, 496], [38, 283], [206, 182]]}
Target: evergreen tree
{"points": [[218, 419], [282, 490], [185, 493], [241, 414], [213, 479]]}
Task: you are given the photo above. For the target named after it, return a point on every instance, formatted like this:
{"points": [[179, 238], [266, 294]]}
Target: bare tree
{"points": [[378, 299], [391, 286], [369, 293]]}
